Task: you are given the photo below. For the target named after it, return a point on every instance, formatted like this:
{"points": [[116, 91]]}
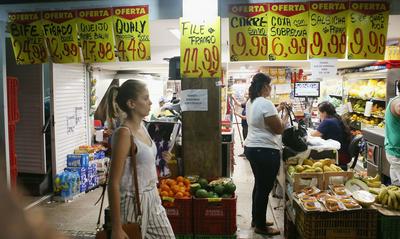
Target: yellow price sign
{"points": [[200, 49], [61, 35], [27, 38], [96, 35], [248, 32], [287, 31], [132, 34], [327, 34], [367, 30]]}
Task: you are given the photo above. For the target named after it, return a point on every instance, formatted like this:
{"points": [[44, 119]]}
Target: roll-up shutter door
{"points": [[29, 139], [70, 109]]}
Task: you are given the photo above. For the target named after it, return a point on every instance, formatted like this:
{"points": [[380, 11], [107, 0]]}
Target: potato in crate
{"points": [[214, 216]]}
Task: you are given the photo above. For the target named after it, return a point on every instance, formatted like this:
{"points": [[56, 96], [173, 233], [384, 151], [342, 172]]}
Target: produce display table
{"points": [[361, 224], [389, 223]]}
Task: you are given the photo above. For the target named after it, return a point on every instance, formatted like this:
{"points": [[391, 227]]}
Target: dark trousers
{"points": [[265, 164]]}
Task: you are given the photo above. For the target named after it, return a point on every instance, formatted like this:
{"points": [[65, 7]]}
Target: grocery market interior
{"points": [[198, 59]]}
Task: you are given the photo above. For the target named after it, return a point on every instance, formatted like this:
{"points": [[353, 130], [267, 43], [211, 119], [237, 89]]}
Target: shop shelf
{"points": [[361, 224], [180, 215], [214, 217], [373, 99]]}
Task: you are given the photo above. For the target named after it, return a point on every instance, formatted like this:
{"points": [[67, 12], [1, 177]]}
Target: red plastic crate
{"points": [[180, 215], [12, 154], [12, 100], [214, 218]]}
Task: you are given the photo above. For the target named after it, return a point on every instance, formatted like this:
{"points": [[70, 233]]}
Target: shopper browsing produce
{"points": [[392, 139], [132, 97], [334, 127], [262, 148]]}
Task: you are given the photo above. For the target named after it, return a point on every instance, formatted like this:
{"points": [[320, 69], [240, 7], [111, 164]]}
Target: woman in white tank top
{"points": [[132, 97]]}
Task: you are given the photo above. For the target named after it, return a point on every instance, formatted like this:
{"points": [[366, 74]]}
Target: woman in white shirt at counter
{"points": [[262, 149]]}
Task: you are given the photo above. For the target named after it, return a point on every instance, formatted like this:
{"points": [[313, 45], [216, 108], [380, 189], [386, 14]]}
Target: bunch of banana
{"points": [[390, 197], [373, 182]]}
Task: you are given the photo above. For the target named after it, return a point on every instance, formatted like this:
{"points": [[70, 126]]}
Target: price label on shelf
{"points": [[200, 49], [327, 36], [27, 38], [96, 36], [132, 34], [248, 32], [59, 28], [287, 31], [367, 30]]}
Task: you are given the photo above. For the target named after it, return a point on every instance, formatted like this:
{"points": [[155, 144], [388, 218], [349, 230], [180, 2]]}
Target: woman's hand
{"points": [[167, 156], [118, 233]]}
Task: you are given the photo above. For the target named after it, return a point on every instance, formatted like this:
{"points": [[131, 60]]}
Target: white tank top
{"points": [[146, 167]]}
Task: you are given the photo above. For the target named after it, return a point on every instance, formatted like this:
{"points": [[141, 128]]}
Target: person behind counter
{"points": [[334, 127], [262, 149], [392, 138]]}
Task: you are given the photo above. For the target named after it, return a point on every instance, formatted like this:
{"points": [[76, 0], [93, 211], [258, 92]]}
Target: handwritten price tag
{"points": [[27, 38], [287, 31], [248, 32], [61, 36], [132, 34], [200, 49], [96, 36], [327, 36], [367, 30]]}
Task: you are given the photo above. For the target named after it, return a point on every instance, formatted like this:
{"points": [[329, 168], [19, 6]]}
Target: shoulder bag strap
{"points": [[135, 178]]}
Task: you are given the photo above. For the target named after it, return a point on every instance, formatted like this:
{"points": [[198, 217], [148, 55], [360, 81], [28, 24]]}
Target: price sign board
{"points": [[327, 32], [61, 35], [96, 36], [248, 32], [367, 29], [306, 89], [200, 49], [132, 34], [287, 31], [27, 38]]}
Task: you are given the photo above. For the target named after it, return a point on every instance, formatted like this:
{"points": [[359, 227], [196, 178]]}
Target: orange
{"points": [[170, 194], [186, 182], [179, 179], [171, 182], [175, 188], [179, 195], [164, 194], [181, 184], [164, 187], [186, 194]]}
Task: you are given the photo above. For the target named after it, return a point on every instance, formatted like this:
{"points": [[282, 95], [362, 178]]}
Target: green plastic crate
{"points": [[184, 236], [214, 236], [389, 227]]}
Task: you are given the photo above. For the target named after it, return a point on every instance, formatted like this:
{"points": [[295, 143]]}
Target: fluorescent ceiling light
{"points": [[175, 32]]}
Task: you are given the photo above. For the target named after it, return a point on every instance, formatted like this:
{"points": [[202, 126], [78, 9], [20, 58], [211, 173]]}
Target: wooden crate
{"points": [[302, 180], [329, 175]]}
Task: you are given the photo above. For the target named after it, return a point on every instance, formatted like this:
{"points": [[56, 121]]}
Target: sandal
{"points": [[267, 223], [270, 231]]}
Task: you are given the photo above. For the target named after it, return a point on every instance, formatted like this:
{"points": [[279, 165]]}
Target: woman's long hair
{"points": [[257, 84], [117, 98], [330, 110]]}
